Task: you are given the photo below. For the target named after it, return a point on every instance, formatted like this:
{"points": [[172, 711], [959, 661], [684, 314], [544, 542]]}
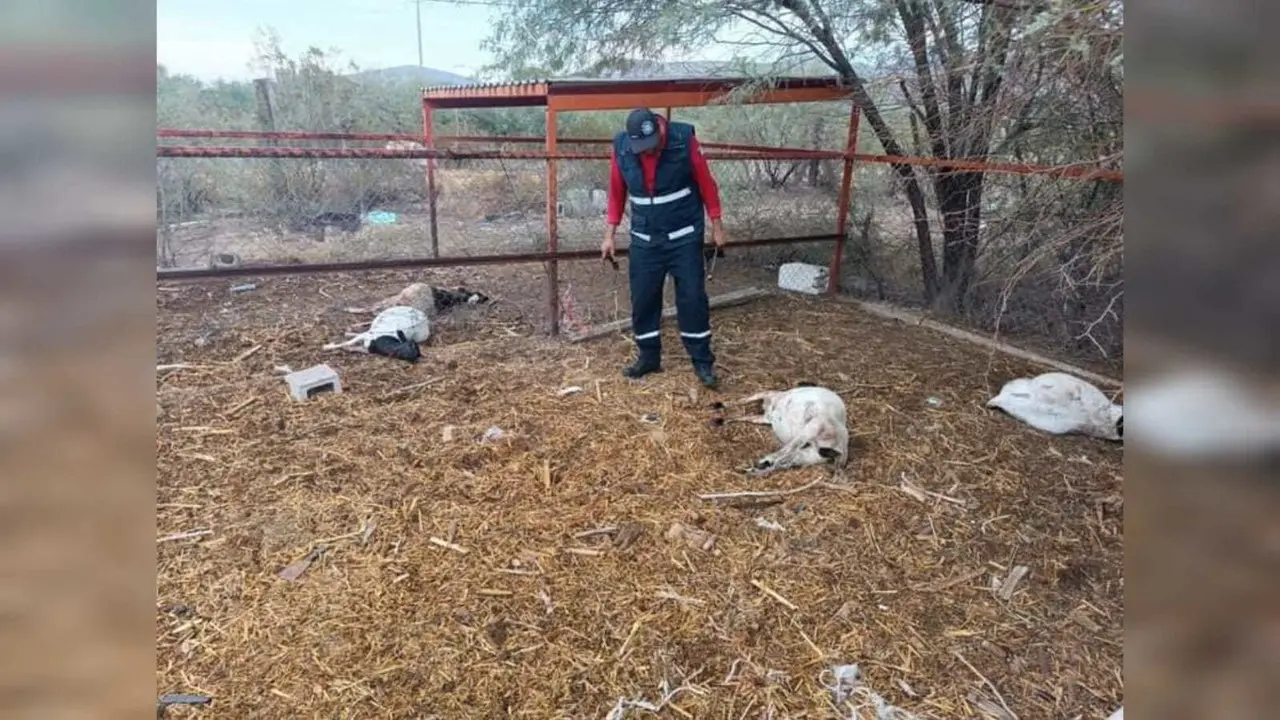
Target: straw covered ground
{"points": [[438, 575]]}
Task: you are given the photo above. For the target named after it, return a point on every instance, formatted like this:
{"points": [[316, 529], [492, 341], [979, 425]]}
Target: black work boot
{"points": [[706, 374], [643, 365]]}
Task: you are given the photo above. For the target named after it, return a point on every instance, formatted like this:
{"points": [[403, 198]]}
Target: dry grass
{"points": [[536, 576], [506, 188]]}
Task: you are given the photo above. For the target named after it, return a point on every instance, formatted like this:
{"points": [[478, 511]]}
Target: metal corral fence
{"points": [[282, 206]]}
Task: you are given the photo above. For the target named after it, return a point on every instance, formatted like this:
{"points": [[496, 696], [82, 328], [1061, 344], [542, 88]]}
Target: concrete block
{"points": [[803, 278], [306, 384]]}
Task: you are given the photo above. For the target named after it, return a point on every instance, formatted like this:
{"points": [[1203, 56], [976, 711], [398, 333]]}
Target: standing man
{"points": [[658, 167]]}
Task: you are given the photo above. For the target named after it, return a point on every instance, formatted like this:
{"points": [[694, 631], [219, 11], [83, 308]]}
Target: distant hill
{"points": [[423, 76]]}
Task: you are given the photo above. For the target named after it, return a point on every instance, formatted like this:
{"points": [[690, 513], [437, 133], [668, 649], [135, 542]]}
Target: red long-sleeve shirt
{"points": [[649, 164]]}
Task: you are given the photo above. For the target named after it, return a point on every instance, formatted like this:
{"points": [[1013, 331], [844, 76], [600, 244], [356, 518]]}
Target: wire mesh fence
{"points": [[1034, 255], [232, 211], [1016, 250]]}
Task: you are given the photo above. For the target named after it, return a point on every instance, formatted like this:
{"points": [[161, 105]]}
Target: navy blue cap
{"points": [[642, 130]]}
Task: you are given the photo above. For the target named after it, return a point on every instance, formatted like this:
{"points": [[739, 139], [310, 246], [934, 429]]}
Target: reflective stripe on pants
{"points": [[648, 267]]}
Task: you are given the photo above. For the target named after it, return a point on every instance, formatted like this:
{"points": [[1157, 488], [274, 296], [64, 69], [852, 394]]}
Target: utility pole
{"points": [[418, 6]]}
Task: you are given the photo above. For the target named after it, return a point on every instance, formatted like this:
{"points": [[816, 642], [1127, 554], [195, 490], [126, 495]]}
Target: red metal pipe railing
{"points": [[364, 137], [387, 137], [284, 135], [553, 230], [845, 196], [454, 261], [226, 151], [1082, 172]]}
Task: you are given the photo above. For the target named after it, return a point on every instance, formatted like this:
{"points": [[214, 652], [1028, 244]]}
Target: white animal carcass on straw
{"points": [[430, 300], [1061, 404], [394, 332], [415, 295], [810, 421]]}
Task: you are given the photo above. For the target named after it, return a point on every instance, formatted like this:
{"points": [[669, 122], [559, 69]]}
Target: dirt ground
{"points": [[533, 575]]}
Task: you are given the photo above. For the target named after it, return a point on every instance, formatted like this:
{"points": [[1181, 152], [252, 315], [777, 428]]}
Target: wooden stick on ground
{"points": [[759, 493], [447, 545], [737, 297], [185, 535], [409, 388], [771, 593]]}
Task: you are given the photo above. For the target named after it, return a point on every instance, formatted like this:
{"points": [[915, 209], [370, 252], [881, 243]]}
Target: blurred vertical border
{"points": [[77, 470], [1203, 200]]}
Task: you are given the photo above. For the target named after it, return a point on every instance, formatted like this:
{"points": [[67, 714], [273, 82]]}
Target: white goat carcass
{"points": [[415, 295], [430, 300], [1061, 404], [394, 332], [810, 421]]}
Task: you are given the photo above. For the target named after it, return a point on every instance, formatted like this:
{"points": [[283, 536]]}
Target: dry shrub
{"points": [[584, 175], [477, 192]]}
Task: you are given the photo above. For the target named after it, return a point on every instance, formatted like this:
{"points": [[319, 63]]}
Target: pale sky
{"points": [[213, 39]]}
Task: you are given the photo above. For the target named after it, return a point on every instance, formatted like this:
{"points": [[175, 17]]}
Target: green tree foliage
{"points": [[975, 76]]}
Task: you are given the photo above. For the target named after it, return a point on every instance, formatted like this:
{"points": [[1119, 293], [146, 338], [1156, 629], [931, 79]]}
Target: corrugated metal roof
{"points": [[787, 81], [535, 92]]}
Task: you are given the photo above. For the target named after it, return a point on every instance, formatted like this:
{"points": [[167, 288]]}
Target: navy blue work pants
{"points": [[650, 263]]}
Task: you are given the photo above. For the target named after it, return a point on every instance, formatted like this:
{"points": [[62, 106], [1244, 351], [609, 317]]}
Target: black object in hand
{"points": [[711, 251], [612, 261]]}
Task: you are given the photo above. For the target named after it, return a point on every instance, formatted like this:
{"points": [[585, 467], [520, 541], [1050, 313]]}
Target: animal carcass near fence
{"points": [[394, 332]]}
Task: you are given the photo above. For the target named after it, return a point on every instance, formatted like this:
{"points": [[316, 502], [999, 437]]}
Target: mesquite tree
{"points": [[955, 56]]}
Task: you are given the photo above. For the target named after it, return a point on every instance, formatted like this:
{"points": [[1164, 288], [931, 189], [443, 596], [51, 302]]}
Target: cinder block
{"points": [[306, 384], [803, 277]]}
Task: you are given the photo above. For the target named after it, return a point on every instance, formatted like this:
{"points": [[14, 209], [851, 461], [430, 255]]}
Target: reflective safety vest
{"points": [[674, 209]]}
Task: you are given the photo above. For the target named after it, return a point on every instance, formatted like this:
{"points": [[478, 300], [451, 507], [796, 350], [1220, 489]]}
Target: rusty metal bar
{"points": [[454, 261], [622, 100], [366, 137], [285, 135], [428, 142], [797, 153], [553, 244], [801, 153], [223, 151], [842, 211], [1082, 172]]}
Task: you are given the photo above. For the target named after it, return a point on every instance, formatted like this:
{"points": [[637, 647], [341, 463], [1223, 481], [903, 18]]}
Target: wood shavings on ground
{"points": [[890, 567]]}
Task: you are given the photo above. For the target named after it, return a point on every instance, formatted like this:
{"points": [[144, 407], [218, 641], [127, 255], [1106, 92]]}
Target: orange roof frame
{"points": [[580, 95]]}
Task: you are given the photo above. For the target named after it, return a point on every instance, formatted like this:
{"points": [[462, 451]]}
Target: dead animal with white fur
{"points": [[1061, 404], [810, 421], [428, 299], [394, 333]]}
